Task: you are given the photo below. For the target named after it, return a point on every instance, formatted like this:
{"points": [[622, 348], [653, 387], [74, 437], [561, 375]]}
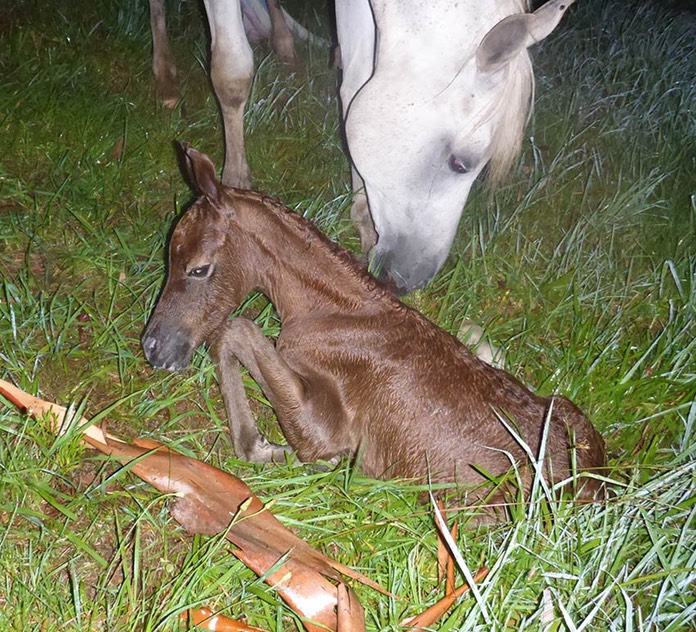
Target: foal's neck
{"points": [[303, 272]]}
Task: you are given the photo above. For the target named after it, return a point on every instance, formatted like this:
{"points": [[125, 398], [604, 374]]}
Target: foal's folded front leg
{"points": [[241, 341]]}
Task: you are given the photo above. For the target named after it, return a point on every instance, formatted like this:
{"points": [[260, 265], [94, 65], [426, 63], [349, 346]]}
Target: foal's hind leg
{"points": [[242, 341]]}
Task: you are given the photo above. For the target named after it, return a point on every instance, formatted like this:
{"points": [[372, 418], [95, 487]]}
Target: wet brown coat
{"points": [[353, 369]]}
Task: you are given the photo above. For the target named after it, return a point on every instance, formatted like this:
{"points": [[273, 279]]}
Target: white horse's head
{"points": [[450, 93]]}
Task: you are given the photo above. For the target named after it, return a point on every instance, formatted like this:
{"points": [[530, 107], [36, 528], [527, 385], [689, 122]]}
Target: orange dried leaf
{"points": [[449, 571], [445, 562], [443, 554], [210, 501], [205, 619], [351, 616], [40, 408], [443, 559]]}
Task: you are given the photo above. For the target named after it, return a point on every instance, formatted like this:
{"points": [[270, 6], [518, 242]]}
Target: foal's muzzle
{"points": [[171, 350]]}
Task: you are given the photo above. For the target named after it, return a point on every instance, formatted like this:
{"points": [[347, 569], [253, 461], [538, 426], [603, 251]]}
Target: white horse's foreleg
{"points": [[360, 214], [281, 37], [163, 65], [356, 36], [231, 71]]}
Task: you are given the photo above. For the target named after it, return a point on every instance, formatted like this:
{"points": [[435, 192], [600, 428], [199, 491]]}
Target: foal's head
{"points": [[205, 281]]}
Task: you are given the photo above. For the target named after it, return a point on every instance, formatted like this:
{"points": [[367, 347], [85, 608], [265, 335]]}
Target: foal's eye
{"points": [[457, 165], [199, 272]]}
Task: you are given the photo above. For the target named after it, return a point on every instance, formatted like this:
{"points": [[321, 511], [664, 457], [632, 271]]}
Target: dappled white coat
{"points": [[426, 105]]}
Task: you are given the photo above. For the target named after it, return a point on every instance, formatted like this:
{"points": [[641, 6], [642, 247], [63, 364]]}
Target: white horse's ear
{"points": [[512, 35], [200, 172]]}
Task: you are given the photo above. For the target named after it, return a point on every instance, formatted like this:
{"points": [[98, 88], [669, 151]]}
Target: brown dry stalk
{"points": [[431, 615]]}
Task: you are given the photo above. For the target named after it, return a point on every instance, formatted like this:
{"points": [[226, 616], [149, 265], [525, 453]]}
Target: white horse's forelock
{"points": [[512, 112]]}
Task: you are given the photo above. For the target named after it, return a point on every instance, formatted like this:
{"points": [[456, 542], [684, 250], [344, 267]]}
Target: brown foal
{"points": [[354, 370]]}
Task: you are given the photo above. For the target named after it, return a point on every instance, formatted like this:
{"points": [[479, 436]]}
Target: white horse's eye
{"points": [[199, 272], [457, 165]]}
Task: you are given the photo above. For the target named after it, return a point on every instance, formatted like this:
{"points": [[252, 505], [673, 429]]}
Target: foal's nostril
{"points": [[150, 347]]}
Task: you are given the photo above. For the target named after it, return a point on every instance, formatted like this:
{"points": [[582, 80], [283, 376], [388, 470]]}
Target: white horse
{"points": [[432, 91]]}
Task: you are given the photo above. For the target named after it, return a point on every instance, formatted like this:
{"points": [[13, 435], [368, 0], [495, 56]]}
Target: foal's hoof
{"points": [[324, 465], [267, 452]]}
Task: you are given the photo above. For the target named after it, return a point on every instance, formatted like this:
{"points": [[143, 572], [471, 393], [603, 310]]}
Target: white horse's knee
{"points": [[474, 337], [232, 83], [360, 214], [232, 72]]}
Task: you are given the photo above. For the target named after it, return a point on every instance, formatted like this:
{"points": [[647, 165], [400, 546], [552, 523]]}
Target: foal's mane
{"points": [[306, 230]]}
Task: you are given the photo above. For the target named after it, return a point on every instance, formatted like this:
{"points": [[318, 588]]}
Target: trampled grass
{"points": [[581, 267]]}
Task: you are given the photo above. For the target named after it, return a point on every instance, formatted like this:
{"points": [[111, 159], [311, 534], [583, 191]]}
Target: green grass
{"points": [[581, 267]]}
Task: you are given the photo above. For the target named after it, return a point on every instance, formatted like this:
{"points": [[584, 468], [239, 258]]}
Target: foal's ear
{"points": [[199, 170]]}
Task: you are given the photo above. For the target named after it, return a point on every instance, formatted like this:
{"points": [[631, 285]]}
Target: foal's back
{"points": [[416, 403]]}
